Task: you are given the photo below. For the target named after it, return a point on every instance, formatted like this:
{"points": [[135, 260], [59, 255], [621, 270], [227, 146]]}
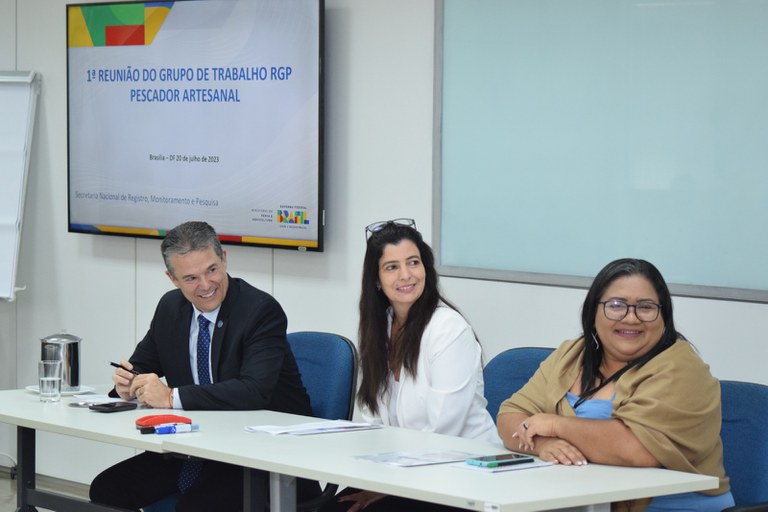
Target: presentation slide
{"points": [[196, 110]]}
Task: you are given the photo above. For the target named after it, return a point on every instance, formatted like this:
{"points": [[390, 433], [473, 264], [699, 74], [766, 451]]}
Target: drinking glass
{"points": [[50, 380]]}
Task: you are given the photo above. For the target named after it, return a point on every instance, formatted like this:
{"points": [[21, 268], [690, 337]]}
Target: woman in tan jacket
{"points": [[631, 391]]}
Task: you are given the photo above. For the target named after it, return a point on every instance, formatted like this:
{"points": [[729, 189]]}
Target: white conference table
{"points": [[24, 409], [331, 458]]}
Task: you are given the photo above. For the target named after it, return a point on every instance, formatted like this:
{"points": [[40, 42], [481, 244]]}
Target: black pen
{"points": [[118, 365]]}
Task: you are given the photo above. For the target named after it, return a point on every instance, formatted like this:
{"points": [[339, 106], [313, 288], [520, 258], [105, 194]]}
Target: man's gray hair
{"points": [[188, 237]]}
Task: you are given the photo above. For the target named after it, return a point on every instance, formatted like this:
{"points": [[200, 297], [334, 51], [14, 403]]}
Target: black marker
{"points": [[117, 365]]}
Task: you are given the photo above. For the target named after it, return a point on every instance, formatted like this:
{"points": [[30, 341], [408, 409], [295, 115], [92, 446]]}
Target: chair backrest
{"points": [[745, 440], [509, 371], [328, 366]]}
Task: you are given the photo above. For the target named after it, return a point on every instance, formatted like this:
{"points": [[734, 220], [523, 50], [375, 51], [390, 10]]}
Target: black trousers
{"points": [[149, 477]]}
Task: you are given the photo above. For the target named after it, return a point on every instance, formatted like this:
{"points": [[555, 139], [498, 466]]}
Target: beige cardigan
{"points": [[671, 404]]}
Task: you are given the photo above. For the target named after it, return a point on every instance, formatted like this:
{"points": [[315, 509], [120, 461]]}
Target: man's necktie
{"points": [[203, 350], [190, 470]]}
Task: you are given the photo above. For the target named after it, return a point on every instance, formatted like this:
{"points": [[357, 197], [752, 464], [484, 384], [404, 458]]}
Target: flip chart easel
{"points": [[19, 91]]}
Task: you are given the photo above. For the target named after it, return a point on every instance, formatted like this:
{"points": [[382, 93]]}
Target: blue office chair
{"points": [[745, 443], [509, 371], [328, 366]]}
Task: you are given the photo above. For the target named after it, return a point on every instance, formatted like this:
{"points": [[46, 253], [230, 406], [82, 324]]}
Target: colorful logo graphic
{"points": [[297, 217], [115, 25]]}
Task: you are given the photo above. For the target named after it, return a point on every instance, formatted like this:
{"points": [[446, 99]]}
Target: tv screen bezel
{"points": [[225, 238]]}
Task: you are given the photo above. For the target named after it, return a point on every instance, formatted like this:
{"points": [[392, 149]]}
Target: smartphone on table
{"points": [[502, 459], [113, 406]]}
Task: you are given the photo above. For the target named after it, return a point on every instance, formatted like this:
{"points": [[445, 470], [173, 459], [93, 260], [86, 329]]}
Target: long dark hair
{"points": [[372, 334], [592, 379]]}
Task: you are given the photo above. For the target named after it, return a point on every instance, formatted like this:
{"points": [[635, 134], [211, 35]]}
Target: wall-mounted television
{"points": [[197, 110]]}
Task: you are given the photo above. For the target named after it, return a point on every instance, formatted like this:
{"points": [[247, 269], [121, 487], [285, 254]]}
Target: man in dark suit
{"points": [[220, 344]]}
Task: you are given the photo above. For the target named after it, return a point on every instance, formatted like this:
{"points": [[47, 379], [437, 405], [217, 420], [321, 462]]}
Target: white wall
{"points": [[379, 73], [7, 310]]}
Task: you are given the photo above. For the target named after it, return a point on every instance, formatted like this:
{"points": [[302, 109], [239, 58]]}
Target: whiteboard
{"points": [[574, 132], [18, 100]]}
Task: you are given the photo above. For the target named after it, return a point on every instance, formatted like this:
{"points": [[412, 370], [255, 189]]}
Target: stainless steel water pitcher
{"points": [[65, 348]]}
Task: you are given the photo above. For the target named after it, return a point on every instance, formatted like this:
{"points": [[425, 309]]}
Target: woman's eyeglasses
{"points": [[370, 229], [645, 311]]}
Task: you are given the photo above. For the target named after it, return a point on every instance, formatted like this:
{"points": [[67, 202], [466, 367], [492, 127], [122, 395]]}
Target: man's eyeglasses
{"points": [[645, 311], [370, 229]]}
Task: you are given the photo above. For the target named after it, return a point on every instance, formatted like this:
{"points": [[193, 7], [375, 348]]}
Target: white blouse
{"points": [[446, 396]]}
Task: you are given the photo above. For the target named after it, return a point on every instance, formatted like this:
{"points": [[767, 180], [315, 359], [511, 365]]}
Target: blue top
{"points": [[600, 409], [594, 408]]}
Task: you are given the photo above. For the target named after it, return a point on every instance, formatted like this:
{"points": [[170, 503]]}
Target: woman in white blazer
{"points": [[420, 360]]}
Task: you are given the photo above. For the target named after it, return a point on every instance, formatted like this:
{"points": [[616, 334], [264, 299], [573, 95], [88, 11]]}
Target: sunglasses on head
{"points": [[370, 229]]}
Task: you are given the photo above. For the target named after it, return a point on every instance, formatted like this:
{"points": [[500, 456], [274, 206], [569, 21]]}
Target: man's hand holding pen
{"points": [[147, 388], [123, 379]]}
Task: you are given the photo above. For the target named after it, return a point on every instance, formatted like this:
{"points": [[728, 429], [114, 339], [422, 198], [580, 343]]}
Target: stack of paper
{"points": [[318, 427], [407, 459]]}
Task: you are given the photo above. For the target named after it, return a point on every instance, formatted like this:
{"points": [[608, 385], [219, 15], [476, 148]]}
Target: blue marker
{"points": [[176, 429]]}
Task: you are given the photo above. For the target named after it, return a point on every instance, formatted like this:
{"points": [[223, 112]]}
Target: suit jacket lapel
{"points": [[181, 338], [222, 321]]}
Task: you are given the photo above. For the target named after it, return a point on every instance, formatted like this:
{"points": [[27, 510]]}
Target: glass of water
{"points": [[50, 380]]}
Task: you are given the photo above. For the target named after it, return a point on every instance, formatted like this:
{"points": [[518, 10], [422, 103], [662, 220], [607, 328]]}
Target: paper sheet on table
{"points": [[317, 427], [97, 399], [510, 467], [408, 459]]}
